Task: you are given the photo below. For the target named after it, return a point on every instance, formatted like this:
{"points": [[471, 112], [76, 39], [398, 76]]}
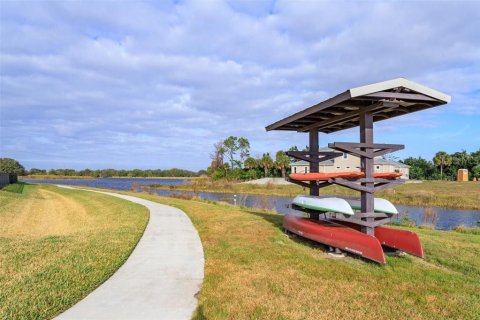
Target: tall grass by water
{"points": [[446, 194]]}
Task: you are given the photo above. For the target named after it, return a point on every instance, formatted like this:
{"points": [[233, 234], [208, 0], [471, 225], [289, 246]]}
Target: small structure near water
{"points": [[462, 175]]}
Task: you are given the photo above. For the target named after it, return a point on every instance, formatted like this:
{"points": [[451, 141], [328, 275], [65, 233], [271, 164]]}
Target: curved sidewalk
{"points": [[160, 278]]}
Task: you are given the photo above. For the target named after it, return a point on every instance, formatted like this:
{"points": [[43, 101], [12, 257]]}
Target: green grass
{"points": [[447, 194], [254, 271], [14, 187], [57, 245]]}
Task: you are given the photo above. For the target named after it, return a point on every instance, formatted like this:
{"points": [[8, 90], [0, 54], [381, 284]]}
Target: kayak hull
{"points": [[380, 205], [337, 236], [402, 240], [327, 204]]}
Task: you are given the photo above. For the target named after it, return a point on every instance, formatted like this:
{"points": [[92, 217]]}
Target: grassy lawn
{"points": [[254, 271], [448, 194], [57, 245]]}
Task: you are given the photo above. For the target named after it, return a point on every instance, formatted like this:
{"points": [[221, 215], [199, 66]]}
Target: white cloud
{"points": [[164, 81]]}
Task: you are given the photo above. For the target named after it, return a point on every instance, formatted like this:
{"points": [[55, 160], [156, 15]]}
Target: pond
{"points": [[439, 218]]}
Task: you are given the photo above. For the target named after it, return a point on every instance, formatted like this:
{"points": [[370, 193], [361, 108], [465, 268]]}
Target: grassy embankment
{"points": [[254, 271], [447, 194], [57, 245]]}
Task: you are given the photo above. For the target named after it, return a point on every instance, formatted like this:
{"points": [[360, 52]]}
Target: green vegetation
{"points": [[8, 165], [446, 194], [14, 187], [240, 165], [57, 245], [444, 166], [107, 173], [254, 271]]}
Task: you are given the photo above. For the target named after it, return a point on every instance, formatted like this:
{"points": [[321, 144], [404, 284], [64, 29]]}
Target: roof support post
{"points": [[313, 150], [367, 198]]}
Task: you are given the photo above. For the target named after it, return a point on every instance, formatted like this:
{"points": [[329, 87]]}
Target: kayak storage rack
{"points": [[358, 107]]}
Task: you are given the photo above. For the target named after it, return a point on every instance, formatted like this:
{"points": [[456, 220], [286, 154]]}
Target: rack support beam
{"points": [[313, 149], [366, 163]]}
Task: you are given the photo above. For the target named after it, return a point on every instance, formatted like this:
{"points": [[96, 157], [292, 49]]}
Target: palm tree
{"points": [[250, 163], [442, 159], [282, 162], [266, 163]]}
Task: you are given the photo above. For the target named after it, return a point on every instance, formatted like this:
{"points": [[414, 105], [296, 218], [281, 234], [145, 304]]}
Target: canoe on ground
{"points": [[332, 204], [337, 236], [403, 240], [380, 205], [322, 176]]}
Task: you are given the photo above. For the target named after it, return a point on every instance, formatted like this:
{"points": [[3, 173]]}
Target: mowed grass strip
{"points": [[57, 245], [254, 271]]}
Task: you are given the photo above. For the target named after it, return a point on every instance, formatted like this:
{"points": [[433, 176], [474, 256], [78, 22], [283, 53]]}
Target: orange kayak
{"points": [[316, 176]]}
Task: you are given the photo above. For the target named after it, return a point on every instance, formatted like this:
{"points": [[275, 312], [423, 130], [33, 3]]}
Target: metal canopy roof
{"points": [[385, 100]]}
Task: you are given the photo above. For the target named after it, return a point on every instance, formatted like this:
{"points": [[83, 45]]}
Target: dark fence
{"points": [[4, 179], [13, 177]]}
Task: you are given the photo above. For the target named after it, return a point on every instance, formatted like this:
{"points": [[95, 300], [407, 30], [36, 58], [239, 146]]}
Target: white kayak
{"points": [[380, 205], [338, 205]]}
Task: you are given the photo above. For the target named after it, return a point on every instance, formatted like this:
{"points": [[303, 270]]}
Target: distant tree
{"points": [[442, 160], [34, 171], [217, 155], [250, 163], [476, 171], [420, 168], [461, 159], [8, 165], [233, 144], [244, 148], [231, 147], [282, 162], [266, 163]]}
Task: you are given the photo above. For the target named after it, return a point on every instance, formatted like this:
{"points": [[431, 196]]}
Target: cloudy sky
{"points": [[136, 84]]}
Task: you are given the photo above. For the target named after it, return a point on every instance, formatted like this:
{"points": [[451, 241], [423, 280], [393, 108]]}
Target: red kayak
{"points": [[321, 176], [402, 240], [337, 236]]}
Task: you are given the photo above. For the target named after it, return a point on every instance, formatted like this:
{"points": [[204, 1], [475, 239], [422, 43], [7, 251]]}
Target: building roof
{"points": [[390, 162], [376, 161], [385, 100]]}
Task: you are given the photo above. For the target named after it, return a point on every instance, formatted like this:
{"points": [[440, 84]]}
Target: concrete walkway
{"points": [[160, 278]]}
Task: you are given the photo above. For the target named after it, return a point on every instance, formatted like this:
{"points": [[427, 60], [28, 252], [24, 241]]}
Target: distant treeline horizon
{"points": [[107, 173]]}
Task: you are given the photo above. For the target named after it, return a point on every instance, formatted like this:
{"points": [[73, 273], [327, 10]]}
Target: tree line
{"points": [[444, 166], [13, 166]]}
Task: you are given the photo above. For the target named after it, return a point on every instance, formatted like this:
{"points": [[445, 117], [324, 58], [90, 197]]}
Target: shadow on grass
{"points": [[16, 187], [277, 221]]}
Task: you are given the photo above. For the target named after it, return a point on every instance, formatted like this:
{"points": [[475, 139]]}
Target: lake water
{"points": [[112, 183], [440, 218]]}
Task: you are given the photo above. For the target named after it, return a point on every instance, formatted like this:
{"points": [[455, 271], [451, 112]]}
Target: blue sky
{"points": [[133, 84]]}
